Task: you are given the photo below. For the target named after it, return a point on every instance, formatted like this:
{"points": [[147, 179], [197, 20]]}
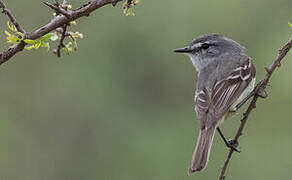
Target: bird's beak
{"points": [[183, 50]]}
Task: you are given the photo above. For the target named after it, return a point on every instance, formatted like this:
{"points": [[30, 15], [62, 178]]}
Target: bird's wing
{"points": [[223, 94], [203, 107]]}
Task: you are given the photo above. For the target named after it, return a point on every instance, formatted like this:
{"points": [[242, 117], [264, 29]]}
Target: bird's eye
{"points": [[205, 46]]}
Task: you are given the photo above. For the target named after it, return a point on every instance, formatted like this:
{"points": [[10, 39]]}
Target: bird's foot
{"points": [[262, 94], [233, 145]]}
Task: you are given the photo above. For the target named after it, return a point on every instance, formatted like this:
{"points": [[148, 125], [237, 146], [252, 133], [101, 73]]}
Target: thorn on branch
{"points": [[68, 15], [58, 9], [57, 3], [84, 5]]}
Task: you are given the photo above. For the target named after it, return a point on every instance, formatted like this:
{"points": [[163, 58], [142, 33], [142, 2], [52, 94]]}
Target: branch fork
{"points": [[59, 21], [60, 9]]}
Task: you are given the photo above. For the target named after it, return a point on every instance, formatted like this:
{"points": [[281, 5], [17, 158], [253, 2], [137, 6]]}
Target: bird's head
{"points": [[207, 48]]}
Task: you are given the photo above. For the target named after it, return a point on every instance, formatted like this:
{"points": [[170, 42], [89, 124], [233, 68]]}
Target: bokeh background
{"points": [[121, 107]]}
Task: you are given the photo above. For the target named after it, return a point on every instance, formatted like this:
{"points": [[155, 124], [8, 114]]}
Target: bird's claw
{"points": [[262, 94], [233, 145]]}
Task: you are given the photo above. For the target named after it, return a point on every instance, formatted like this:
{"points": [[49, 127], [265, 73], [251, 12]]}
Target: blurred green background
{"points": [[121, 107]]}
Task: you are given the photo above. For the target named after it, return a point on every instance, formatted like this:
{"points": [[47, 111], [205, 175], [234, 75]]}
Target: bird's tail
{"points": [[202, 150]]}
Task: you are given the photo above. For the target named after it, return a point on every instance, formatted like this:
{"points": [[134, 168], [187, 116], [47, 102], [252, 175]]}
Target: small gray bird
{"points": [[226, 76]]}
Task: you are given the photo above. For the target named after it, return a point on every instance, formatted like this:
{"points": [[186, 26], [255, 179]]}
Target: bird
{"points": [[226, 77]]}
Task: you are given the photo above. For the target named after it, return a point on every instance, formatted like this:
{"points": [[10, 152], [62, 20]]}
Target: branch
{"points": [[58, 9], [260, 87], [61, 44], [56, 22], [11, 17]]}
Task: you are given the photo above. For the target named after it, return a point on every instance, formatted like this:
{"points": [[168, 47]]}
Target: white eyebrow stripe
{"points": [[199, 44]]}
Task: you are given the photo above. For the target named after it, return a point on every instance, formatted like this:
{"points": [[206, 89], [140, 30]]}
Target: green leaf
{"points": [[68, 48], [37, 45], [46, 37], [7, 33], [21, 35], [12, 46], [29, 47], [30, 41], [11, 27], [54, 37], [47, 45], [12, 39]]}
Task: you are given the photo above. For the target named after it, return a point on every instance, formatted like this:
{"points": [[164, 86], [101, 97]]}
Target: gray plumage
{"points": [[225, 75]]}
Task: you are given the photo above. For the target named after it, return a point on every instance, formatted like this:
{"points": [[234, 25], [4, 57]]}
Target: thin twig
{"points": [[56, 2], [11, 17], [258, 90], [55, 23], [61, 41], [58, 9]]}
